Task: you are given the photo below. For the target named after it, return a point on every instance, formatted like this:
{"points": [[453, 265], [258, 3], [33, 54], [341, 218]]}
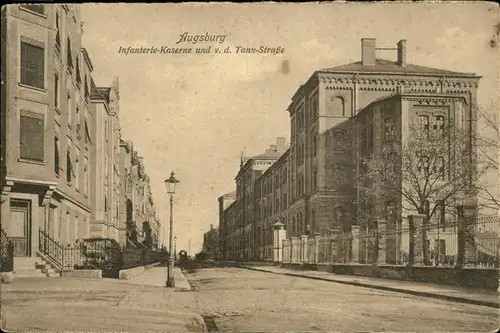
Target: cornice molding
{"points": [[434, 100], [384, 82]]}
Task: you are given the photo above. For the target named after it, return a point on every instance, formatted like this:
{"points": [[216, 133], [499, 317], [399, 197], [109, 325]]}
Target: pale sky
{"points": [[194, 114]]}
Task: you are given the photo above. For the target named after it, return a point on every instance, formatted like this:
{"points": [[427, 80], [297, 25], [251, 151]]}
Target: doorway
{"points": [[20, 227]]}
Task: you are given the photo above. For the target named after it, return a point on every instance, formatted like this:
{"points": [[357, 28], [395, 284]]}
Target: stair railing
{"points": [[6, 252], [51, 249]]}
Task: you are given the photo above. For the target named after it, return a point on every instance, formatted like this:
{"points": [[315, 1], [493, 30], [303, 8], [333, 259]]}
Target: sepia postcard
{"points": [[250, 167]]}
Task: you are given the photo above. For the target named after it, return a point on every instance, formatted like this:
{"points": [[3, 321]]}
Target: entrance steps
{"points": [[33, 267]]}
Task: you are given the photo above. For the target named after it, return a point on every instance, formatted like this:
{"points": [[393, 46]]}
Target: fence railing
{"points": [[6, 253], [103, 254], [473, 243]]}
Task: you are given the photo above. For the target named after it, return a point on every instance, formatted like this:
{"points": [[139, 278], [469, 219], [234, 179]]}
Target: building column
{"points": [[382, 242], [417, 239], [279, 236], [467, 249], [336, 245], [392, 241], [355, 244], [371, 246], [316, 248], [303, 243], [362, 245]]}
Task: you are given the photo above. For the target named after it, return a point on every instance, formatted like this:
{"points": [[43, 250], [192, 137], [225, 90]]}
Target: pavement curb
{"points": [[398, 290], [190, 280]]}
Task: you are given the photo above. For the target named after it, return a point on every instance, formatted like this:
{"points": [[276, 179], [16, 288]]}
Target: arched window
{"points": [[337, 107]]}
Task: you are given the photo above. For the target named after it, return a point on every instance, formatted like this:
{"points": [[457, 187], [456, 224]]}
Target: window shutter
{"points": [[32, 136]]}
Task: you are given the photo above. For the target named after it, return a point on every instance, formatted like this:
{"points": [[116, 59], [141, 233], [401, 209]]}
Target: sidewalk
{"points": [[450, 293], [157, 277], [143, 304]]}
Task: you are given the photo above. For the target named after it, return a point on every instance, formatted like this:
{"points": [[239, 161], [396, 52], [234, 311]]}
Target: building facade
{"points": [[60, 143], [211, 243], [271, 205], [338, 117], [105, 155], [239, 222], [45, 105], [139, 222], [224, 202]]}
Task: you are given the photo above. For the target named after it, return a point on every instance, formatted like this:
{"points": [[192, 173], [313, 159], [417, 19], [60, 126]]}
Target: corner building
{"points": [[45, 115], [327, 114], [337, 117]]}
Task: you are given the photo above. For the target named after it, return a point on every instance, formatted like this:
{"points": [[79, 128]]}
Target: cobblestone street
{"points": [[244, 300], [236, 299]]}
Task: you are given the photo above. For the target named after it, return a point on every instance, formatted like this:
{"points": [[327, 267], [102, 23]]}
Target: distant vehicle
{"points": [[183, 255]]}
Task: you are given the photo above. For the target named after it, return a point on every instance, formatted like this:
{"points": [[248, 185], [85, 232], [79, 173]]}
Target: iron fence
{"points": [[473, 243], [96, 253], [6, 253]]}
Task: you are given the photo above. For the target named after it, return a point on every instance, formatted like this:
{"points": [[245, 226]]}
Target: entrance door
{"points": [[20, 227]]}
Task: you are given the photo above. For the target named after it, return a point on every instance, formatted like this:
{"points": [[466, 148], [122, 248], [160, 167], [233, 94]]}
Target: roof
{"points": [[230, 194], [388, 66], [268, 155]]}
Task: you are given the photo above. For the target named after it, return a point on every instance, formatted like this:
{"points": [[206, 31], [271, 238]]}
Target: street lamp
{"points": [[170, 184], [175, 248]]}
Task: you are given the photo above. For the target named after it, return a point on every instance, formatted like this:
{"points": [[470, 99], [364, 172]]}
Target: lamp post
{"points": [[170, 184], [175, 248]]}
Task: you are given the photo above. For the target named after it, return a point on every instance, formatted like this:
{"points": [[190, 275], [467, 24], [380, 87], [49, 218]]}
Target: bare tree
{"points": [[425, 171], [487, 143]]}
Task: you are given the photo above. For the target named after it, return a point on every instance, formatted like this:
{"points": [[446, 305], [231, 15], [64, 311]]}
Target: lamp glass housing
{"points": [[170, 183]]}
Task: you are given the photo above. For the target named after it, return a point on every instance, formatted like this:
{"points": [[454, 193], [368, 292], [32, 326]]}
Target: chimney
{"points": [[368, 51], [281, 143], [402, 53]]}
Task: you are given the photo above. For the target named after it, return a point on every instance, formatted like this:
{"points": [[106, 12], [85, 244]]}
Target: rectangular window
{"points": [[389, 129], [106, 166], [66, 227], [86, 86], [56, 91], [439, 168], [77, 120], [69, 56], [78, 77], [77, 173], [58, 32], [69, 110], [69, 167], [32, 65], [40, 9], [106, 129], [314, 144], [86, 176], [424, 124], [56, 155], [32, 133], [105, 204], [439, 125], [87, 132]]}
